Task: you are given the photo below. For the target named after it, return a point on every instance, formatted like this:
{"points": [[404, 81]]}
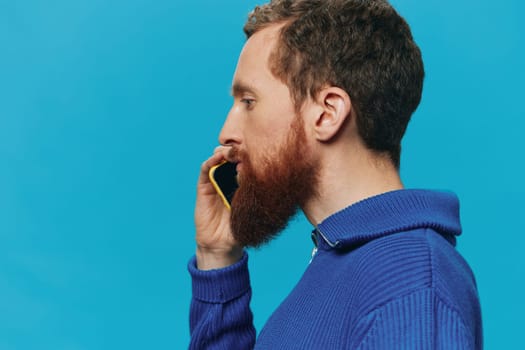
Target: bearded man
{"points": [[323, 93]]}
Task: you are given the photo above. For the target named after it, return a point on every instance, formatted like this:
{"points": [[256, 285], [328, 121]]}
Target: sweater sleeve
{"points": [[417, 321], [220, 315]]}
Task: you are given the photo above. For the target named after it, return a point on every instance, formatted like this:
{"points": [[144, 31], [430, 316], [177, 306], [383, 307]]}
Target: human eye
{"points": [[249, 102]]}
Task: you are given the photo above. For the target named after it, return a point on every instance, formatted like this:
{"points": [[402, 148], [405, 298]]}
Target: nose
{"points": [[230, 133]]}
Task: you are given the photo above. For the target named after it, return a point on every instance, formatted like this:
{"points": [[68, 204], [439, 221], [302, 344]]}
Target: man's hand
{"points": [[216, 247]]}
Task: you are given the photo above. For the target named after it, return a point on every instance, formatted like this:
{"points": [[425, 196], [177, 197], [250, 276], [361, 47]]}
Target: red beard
{"points": [[264, 204]]}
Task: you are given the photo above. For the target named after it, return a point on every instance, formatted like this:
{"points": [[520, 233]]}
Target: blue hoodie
{"points": [[386, 275]]}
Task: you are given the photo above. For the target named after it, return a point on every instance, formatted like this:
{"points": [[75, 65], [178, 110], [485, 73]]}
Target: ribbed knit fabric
{"points": [[386, 276]]}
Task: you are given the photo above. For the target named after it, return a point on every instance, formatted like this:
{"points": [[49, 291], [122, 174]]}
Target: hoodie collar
{"points": [[389, 213]]}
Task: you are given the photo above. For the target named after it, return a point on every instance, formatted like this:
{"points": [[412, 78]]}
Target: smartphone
{"points": [[224, 178]]}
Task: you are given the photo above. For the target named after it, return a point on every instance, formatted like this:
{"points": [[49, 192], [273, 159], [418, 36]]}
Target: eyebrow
{"points": [[238, 88]]}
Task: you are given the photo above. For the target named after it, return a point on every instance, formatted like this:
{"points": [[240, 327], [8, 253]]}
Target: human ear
{"points": [[335, 107]]}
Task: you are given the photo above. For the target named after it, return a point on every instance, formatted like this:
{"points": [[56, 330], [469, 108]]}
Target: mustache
{"points": [[235, 155]]}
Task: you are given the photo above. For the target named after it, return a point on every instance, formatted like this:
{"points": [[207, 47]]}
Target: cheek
{"points": [[263, 143], [257, 137], [268, 133], [267, 128]]}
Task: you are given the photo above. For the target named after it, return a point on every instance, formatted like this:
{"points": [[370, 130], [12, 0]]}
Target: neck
{"points": [[346, 180]]}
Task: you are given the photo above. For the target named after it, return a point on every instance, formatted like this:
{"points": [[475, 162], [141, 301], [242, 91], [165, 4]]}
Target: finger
{"points": [[225, 150], [215, 159]]}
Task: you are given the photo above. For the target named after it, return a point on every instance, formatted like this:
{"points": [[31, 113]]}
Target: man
{"points": [[323, 93]]}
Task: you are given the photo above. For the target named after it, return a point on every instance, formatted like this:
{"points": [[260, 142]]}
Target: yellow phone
{"points": [[224, 178]]}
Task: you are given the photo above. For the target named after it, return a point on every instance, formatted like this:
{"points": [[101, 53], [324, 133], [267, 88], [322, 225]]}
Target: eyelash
{"points": [[248, 102]]}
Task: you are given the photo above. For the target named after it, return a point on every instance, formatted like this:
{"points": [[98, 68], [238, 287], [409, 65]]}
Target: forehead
{"points": [[252, 66]]}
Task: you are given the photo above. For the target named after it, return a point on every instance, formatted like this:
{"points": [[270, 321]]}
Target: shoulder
{"points": [[415, 278], [419, 320], [399, 264]]}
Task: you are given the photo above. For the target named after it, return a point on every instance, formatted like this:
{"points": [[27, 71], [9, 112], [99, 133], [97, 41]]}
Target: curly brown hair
{"points": [[363, 47]]}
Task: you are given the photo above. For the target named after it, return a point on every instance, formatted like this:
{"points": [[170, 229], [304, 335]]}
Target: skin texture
{"points": [[258, 127]]}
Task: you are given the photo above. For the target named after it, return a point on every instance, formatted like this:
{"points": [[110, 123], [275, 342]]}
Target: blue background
{"points": [[107, 109]]}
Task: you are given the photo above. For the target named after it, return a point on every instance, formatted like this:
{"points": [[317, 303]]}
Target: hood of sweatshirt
{"points": [[387, 214]]}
